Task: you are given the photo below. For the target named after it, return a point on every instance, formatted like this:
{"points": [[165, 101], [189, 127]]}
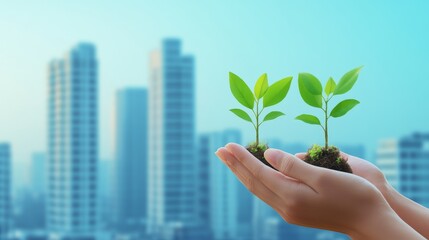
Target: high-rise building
{"points": [[30, 211], [387, 159], [262, 212], [203, 205], [5, 190], [73, 144], [221, 186], [245, 201], [275, 228], [131, 159], [38, 174], [268, 225], [106, 191], [32, 201], [328, 235], [414, 167], [172, 139]]}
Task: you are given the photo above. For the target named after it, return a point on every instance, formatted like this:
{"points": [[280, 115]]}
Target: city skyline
{"points": [[111, 113], [360, 39], [170, 115]]}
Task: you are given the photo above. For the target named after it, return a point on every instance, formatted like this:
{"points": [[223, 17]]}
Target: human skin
{"points": [[412, 213], [317, 197]]}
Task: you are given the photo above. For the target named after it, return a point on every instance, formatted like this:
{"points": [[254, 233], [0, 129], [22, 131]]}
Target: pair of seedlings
{"points": [[312, 92]]}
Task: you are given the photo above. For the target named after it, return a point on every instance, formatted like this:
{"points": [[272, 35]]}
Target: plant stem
{"points": [[257, 123], [326, 123]]}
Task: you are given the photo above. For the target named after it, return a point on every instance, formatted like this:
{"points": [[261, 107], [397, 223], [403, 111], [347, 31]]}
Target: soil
{"points": [[328, 158], [258, 152]]}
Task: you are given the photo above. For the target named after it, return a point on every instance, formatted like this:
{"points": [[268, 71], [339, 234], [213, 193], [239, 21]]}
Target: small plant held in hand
{"points": [[262, 97], [311, 92]]}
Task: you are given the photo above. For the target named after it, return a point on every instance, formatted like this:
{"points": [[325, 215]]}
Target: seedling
{"points": [[268, 95], [311, 92]]}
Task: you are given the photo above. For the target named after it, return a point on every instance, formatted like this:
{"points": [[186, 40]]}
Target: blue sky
{"points": [[282, 38]]}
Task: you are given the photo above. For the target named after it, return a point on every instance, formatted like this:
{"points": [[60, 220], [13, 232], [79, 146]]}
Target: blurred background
{"points": [[110, 113]]}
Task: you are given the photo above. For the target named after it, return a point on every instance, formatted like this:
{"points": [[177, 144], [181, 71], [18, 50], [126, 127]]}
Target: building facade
{"points": [[32, 201], [38, 174], [387, 159], [5, 190], [172, 139], [220, 186], [414, 167], [204, 200], [73, 144], [106, 192], [131, 159]]}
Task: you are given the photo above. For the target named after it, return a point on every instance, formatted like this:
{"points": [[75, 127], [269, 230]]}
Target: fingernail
{"points": [[273, 156], [216, 152]]}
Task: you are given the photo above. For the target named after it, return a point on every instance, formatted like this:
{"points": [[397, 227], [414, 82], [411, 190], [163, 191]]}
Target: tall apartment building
{"points": [[387, 159], [172, 140], [5, 190], [414, 167], [131, 159], [73, 144], [222, 196]]}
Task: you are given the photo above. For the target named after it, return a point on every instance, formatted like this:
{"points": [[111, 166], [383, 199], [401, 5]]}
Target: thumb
{"points": [[292, 166], [301, 155]]}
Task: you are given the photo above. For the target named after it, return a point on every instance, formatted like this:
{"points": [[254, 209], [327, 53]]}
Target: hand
{"points": [[364, 169], [316, 197], [412, 213]]}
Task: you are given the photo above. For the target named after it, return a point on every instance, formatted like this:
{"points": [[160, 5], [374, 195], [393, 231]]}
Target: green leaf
{"points": [[241, 91], [261, 86], [304, 83], [310, 119], [347, 81], [277, 92], [343, 107], [273, 115], [242, 114], [330, 86], [311, 83]]}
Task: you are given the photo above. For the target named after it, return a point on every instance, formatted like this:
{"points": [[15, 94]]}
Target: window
{"points": [[76, 223]]}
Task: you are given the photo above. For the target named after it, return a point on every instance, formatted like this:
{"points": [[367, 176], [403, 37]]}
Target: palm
{"points": [[367, 170], [363, 169]]}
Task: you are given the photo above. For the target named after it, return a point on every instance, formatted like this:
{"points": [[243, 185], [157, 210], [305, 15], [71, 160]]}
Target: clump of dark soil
{"points": [[258, 151], [328, 158]]}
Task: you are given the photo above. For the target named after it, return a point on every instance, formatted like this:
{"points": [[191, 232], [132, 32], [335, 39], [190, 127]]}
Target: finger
{"points": [[292, 166], [301, 155], [274, 180], [247, 179]]}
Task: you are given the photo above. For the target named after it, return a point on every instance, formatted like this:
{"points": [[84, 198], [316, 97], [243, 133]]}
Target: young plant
{"points": [[268, 95], [311, 92]]}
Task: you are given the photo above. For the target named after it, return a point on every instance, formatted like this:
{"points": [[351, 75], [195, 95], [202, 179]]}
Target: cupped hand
{"points": [[307, 195], [364, 169], [412, 213]]}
